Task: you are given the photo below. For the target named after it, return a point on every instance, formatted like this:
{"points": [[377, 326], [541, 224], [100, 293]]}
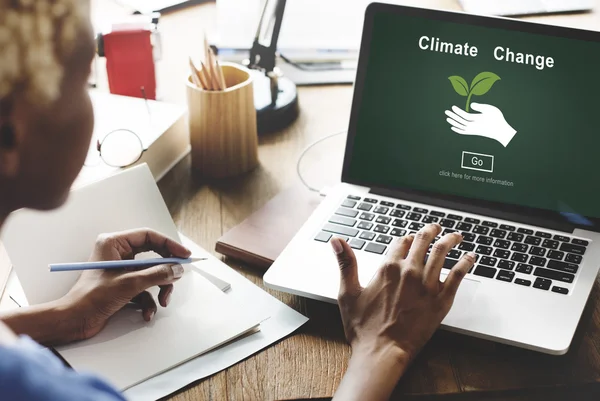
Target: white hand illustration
{"points": [[489, 123]]}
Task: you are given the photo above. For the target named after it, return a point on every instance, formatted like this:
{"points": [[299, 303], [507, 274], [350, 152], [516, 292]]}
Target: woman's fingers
{"points": [[437, 256], [423, 239], [164, 296], [456, 275], [147, 304], [399, 248], [144, 240]]}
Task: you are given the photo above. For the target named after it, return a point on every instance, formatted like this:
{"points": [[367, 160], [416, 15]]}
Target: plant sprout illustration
{"points": [[481, 85]]}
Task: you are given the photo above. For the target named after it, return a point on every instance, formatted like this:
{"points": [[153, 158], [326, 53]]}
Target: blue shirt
{"points": [[29, 372]]}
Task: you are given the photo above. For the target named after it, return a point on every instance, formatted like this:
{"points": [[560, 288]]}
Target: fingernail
{"points": [[152, 315], [472, 255], [338, 248], [177, 271], [168, 298]]}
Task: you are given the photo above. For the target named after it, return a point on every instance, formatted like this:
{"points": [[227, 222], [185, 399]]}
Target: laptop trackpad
{"points": [[462, 306]]}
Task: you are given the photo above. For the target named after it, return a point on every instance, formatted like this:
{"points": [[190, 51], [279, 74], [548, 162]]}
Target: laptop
{"points": [[525, 7], [487, 126]]}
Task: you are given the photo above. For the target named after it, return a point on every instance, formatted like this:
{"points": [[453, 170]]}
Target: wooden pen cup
{"points": [[223, 129]]}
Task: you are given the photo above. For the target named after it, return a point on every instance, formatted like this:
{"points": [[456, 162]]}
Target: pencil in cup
{"points": [[223, 131]]}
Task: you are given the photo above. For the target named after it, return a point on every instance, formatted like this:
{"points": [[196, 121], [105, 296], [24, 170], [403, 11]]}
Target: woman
{"points": [[46, 120]]}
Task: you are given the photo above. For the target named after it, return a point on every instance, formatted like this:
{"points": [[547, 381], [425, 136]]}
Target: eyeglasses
{"points": [[119, 148]]}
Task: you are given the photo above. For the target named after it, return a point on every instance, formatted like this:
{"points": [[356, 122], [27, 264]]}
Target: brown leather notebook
{"points": [[260, 238]]}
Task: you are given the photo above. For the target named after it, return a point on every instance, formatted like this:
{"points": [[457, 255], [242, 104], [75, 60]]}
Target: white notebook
{"points": [[129, 350]]}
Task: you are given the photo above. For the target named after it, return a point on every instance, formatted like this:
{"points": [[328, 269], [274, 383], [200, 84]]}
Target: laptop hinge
{"points": [[495, 213]]}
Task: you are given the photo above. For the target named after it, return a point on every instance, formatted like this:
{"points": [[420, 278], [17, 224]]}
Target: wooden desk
{"points": [[310, 364]]}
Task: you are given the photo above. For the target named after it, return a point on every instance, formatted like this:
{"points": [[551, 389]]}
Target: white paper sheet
{"points": [[283, 321]]}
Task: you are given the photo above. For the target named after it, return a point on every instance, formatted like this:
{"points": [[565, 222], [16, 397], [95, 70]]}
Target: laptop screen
{"points": [[478, 110]]}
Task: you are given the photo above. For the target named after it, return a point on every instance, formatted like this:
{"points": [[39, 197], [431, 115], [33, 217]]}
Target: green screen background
{"points": [[403, 139]]}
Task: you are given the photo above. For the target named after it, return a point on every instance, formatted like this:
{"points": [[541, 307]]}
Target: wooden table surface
{"points": [[310, 364]]}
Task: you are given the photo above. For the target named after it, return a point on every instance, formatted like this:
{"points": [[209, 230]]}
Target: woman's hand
{"points": [[388, 322], [98, 294]]}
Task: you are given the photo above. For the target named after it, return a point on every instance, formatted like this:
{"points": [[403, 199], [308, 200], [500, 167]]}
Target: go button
{"points": [[478, 162]]}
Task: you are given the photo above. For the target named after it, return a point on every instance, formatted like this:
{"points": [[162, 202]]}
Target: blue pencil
{"points": [[121, 264]]}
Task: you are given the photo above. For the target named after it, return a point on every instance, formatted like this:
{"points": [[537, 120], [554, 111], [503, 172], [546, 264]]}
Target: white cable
{"points": [[309, 147]]}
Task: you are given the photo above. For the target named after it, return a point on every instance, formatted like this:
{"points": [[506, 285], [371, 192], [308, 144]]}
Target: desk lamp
{"points": [[275, 96]]}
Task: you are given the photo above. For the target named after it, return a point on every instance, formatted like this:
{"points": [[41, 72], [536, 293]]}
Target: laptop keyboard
{"points": [[517, 255]]}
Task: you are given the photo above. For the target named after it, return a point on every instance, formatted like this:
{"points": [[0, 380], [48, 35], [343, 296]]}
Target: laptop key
{"points": [[519, 248], [335, 229], [542, 284], [498, 233], [397, 213], [554, 275], [489, 224], [454, 217], [484, 250], [323, 237], [506, 227], [537, 251], [520, 281], [383, 220], [385, 203], [365, 206], [454, 254], [381, 229], [524, 268], [367, 216], [501, 253], [556, 255], [420, 210], [562, 238], [363, 225], [381, 210], [580, 242], [469, 237], [573, 258], [400, 223], [371, 200], [483, 240], [344, 221], [519, 257], [384, 239], [537, 261], [349, 203], [485, 271], [357, 243], [375, 248], [525, 231], [416, 226], [414, 216], [533, 240], [543, 234], [464, 226], [563, 267], [502, 244], [560, 290], [437, 214], [342, 237], [447, 223], [506, 264], [466, 246], [398, 232], [354, 197], [342, 211], [548, 243], [505, 275], [403, 207], [367, 235], [488, 261], [570, 248], [515, 237], [430, 219], [471, 220], [481, 230]]}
